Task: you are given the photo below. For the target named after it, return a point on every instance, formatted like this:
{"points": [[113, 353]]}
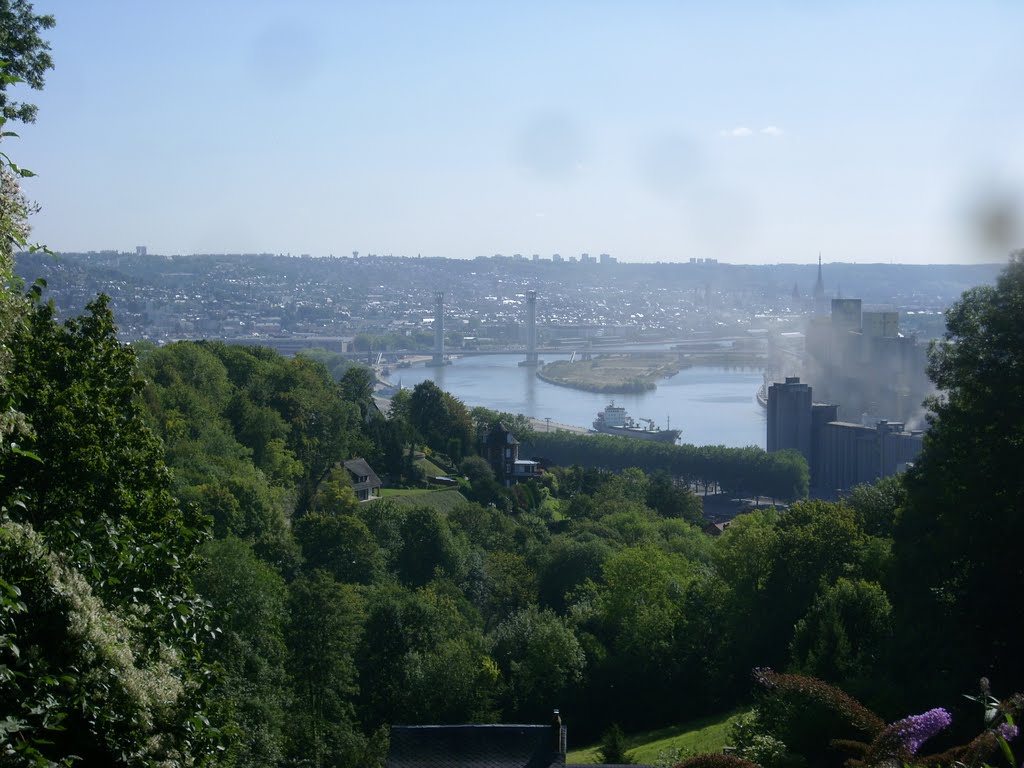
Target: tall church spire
{"points": [[819, 291]]}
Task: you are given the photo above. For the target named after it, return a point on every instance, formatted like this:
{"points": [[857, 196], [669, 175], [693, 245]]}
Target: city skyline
{"points": [[750, 134]]}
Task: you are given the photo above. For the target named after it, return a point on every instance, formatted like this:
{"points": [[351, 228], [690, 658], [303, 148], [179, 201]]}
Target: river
{"points": [[711, 405]]}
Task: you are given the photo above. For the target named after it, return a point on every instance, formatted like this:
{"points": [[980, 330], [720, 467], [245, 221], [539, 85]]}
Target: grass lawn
{"points": [[709, 734], [443, 500], [430, 468]]}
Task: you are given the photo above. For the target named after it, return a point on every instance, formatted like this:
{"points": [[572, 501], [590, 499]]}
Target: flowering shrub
{"points": [[895, 744], [905, 737], [716, 761], [821, 694]]}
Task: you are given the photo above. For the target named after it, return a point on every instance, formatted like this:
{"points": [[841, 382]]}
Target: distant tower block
{"points": [[438, 356], [531, 360]]}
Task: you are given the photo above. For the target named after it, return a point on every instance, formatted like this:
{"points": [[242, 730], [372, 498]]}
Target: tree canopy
{"points": [[958, 540], [24, 53]]}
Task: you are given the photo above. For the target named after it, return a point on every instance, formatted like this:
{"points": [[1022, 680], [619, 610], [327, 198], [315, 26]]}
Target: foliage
{"points": [[613, 747], [738, 471], [539, 658], [421, 661], [716, 761], [815, 722], [250, 608], [957, 541], [441, 420], [844, 632], [109, 642], [323, 633], [750, 743], [26, 56]]}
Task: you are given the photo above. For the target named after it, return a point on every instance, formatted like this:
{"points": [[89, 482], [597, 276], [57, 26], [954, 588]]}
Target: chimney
{"points": [[558, 735]]}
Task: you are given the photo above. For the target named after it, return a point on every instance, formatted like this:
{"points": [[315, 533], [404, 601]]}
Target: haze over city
{"points": [[749, 133]]}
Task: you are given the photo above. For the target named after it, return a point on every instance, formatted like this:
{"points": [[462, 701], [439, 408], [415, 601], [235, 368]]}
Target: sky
{"points": [[750, 132]]}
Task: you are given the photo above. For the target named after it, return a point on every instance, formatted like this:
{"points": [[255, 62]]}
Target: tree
{"points": [[566, 565], [613, 747], [539, 657], [669, 499], [958, 540], [427, 547], [104, 639], [26, 54], [342, 545], [322, 635], [843, 634], [484, 488], [442, 421], [250, 602], [357, 388], [422, 662]]}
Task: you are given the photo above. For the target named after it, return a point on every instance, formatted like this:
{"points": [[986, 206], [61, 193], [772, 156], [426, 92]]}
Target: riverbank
{"points": [[620, 374], [539, 425]]}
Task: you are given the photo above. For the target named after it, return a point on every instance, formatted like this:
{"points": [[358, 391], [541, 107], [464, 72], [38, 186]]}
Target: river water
{"points": [[711, 405]]}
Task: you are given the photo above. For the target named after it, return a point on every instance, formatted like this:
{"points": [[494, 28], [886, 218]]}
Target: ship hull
{"points": [[651, 435]]}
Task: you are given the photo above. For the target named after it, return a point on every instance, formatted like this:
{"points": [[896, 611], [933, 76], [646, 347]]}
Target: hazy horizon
{"points": [[872, 132]]}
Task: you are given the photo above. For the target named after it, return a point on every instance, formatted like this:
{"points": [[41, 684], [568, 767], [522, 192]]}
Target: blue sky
{"points": [[654, 131]]}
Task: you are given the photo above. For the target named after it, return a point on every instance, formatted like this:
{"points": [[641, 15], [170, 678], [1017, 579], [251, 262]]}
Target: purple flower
{"points": [[1007, 731], [915, 730]]}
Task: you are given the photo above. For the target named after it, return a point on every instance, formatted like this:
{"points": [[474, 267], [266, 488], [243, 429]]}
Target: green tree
{"points": [[423, 661], [483, 487], [357, 387], [107, 643], [613, 747], [325, 620], [540, 658], [844, 633], [669, 499], [342, 545], [250, 607], [441, 420], [958, 540], [504, 583], [566, 565], [25, 53], [879, 504], [428, 547]]}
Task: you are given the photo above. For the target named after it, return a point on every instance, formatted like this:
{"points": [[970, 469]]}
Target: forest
{"points": [[187, 576]]}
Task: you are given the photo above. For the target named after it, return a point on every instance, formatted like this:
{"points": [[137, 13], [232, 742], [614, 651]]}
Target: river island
{"points": [[613, 374]]}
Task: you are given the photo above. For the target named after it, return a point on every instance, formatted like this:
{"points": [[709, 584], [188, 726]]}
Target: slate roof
{"points": [[359, 468], [473, 746], [501, 435]]}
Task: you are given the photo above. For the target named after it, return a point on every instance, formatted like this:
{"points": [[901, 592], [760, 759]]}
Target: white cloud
{"points": [[772, 130], [740, 132]]}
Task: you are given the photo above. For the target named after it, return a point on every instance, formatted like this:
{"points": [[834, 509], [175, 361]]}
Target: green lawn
{"points": [[709, 734], [430, 468], [443, 500]]}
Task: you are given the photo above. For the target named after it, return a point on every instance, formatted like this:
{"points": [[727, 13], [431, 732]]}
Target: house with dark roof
{"points": [[365, 482], [476, 746], [501, 449], [480, 746]]}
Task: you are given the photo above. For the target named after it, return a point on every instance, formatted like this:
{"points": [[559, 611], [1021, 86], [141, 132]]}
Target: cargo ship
{"points": [[614, 420]]}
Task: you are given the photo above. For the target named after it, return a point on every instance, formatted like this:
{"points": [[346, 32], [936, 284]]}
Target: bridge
{"points": [[292, 345], [439, 356]]}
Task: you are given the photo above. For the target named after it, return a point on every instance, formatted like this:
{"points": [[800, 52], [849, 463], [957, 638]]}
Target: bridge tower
{"points": [[438, 356], [531, 360]]}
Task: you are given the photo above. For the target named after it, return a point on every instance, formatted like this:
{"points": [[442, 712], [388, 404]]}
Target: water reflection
{"points": [[711, 405]]}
